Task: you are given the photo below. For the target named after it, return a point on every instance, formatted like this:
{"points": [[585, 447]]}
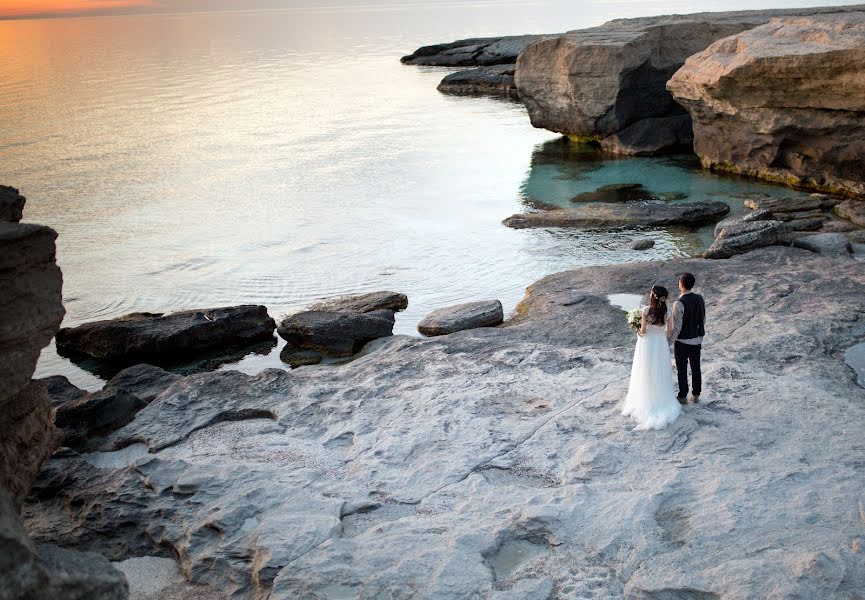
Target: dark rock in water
{"points": [[783, 102], [746, 236], [852, 210], [11, 204], [297, 357], [786, 205], [363, 303], [827, 244], [144, 381], [618, 192], [643, 244], [166, 338], [61, 390], [96, 415], [746, 217], [471, 52], [497, 80], [487, 313], [335, 333], [626, 214]]}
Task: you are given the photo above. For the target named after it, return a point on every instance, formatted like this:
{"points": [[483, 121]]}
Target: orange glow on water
{"points": [[26, 8]]}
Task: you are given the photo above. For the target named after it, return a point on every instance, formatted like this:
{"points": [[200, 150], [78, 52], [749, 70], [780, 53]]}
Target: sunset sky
{"points": [[50, 8]]}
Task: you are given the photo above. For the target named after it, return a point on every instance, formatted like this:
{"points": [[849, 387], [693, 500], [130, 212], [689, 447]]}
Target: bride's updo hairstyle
{"points": [[657, 305]]}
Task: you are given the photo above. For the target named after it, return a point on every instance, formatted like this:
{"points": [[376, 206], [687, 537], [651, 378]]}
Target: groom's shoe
{"points": [[695, 399], [682, 399]]}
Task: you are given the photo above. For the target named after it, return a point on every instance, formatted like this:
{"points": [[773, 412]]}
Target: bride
{"points": [[651, 401]]}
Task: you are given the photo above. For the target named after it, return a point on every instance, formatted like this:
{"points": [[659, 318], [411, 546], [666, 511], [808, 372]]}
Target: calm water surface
{"points": [[276, 157]]}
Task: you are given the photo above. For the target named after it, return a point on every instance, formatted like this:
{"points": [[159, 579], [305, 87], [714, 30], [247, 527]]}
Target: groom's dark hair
{"points": [[688, 281]]}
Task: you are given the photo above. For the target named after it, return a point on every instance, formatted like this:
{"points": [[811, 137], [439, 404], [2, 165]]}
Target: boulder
{"points": [[643, 244], [335, 333], [472, 52], [852, 210], [497, 80], [11, 204], [363, 303], [607, 83], [627, 214], [784, 102], [827, 244], [617, 192], [792, 205], [61, 390], [96, 415], [745, 217], [167, 338], [746, 236], [486, 313], [144, 381], [298, 357]]}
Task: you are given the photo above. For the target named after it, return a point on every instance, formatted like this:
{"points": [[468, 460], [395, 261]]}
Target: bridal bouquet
{"points": [[635, 317]]}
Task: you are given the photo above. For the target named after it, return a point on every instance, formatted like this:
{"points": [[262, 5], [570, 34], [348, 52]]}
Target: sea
{"points": [[202, 159]]}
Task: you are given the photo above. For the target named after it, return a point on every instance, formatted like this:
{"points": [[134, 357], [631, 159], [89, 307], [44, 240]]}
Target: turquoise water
{"points": [[274, 157]]}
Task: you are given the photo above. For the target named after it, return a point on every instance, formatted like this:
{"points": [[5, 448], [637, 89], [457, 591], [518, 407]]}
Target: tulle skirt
{"points": [[651, 401]]}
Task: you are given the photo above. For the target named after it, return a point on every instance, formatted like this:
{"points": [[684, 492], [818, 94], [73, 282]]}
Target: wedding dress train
{"points": [[651, 401]]}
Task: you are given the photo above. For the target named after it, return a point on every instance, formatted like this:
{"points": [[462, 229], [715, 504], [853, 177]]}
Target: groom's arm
{"points": [[678, 312]]}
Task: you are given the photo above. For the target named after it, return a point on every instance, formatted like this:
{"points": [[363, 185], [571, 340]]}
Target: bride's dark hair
{"points": [[657, 305]]}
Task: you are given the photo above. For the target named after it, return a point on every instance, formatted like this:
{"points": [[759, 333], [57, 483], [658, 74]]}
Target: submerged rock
{"points": [[486, 313], [363, 303], [627, 214], [745, 236], [618, 192], [335, 333], [643, 244], [297, 357], [828, 244], [784, 102], [167, 338], [11, 204], [497, 80]]}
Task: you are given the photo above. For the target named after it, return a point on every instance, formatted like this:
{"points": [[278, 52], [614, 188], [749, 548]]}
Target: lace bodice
{"points": [[650, 328]]}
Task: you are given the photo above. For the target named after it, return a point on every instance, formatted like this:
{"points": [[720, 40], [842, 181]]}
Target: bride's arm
{"points": [[642, 330]]}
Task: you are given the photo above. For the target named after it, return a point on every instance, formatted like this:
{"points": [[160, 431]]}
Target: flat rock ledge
{"points": [[486, 313], [167, 338], [496, 464], [497, 80], [626, 214]]}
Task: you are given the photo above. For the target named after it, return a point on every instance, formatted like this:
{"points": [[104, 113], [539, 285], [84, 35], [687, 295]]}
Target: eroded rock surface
{"points": [[472, 52], [608, 83], [494, 462], [497, 80], [784, 101], [625, 214], [745, 235], [165, 338]]}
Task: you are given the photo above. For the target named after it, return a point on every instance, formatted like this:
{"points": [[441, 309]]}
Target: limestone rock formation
{"points": [[626, 214], [608, 83], [496, 80], [486, 313], [784, 102], [335, 333], [494, 463], [11, 204], [165, 338]]}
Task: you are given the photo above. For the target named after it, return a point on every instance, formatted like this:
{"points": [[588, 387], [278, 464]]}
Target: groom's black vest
{"points": [[694, 317]]}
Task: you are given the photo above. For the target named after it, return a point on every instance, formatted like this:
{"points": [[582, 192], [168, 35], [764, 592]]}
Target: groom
{"points": [[689, 318]]}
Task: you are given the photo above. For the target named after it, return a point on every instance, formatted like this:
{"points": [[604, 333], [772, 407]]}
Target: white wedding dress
{"points": [[651, 401]]}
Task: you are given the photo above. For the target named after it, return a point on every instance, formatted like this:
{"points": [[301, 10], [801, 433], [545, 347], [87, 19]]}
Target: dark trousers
{"points": [[688, 354]]}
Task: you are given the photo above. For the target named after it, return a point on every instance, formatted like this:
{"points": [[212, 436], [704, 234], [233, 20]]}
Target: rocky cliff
{"points": [[608, 83], [784, 101], [494, 463]]}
